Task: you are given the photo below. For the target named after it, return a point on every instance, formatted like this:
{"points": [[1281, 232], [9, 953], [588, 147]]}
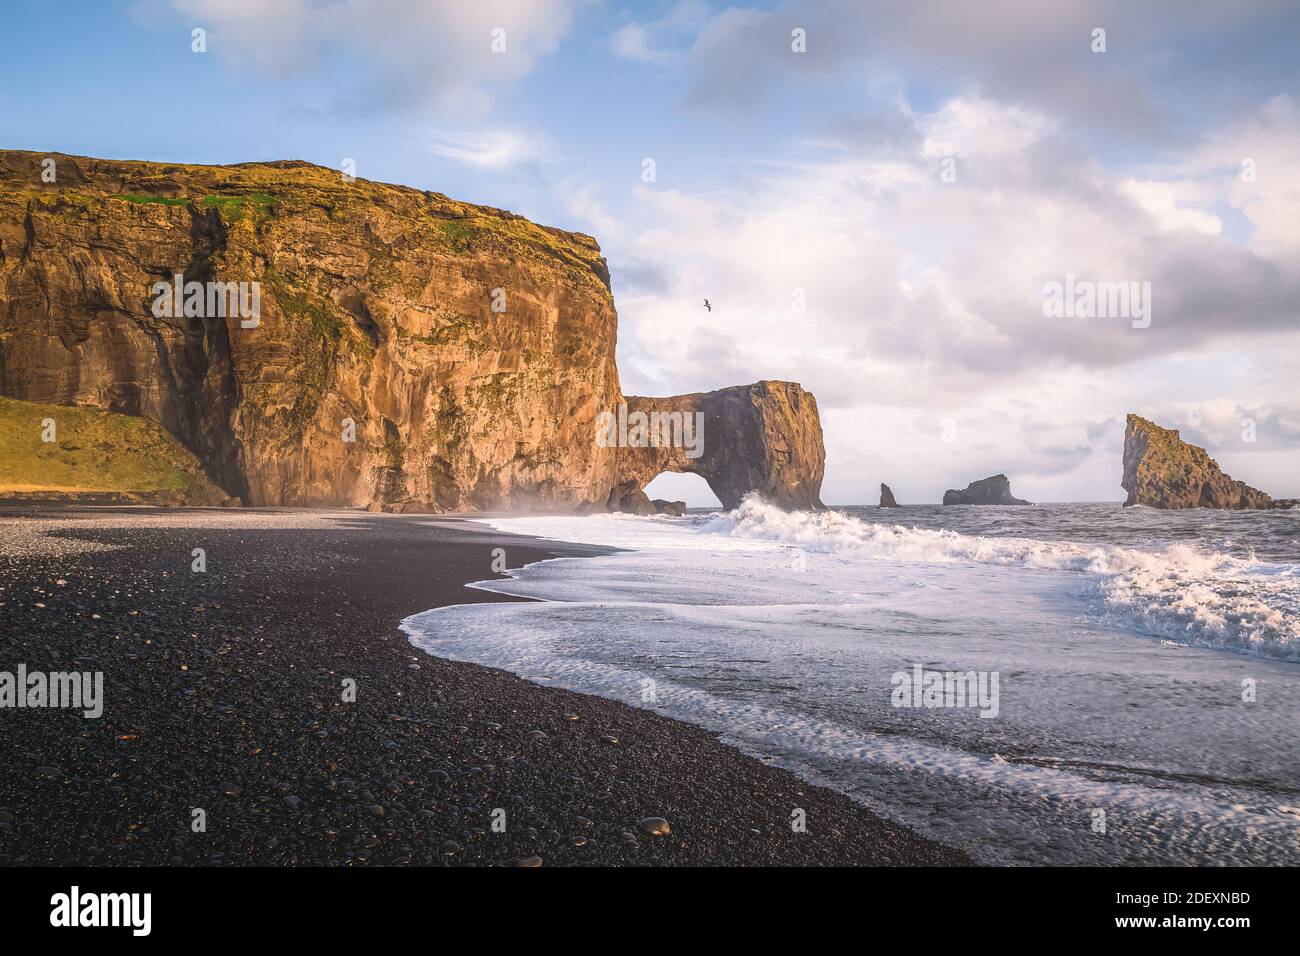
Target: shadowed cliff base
{"points": [[411, 352]]}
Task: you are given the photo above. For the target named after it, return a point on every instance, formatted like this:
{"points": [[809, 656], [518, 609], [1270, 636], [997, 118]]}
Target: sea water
{"points": [[1146, 663]]}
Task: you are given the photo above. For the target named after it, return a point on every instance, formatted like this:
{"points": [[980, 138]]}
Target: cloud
{"points": [[1163, 202], [652, 41], [1228, 425], [489, 149], [631, 43], [266, 36], [1033, 53], [902, 300], [1252, 162], [915, 288], [408, 54], [582, 202]]}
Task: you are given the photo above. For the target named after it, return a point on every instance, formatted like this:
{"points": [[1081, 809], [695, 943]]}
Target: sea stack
{"points": [[887, 497], [1163, 471], [994, 490]]}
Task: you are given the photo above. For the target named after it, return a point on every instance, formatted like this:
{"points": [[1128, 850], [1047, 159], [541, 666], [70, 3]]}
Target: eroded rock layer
{"points": [[467, 350]]}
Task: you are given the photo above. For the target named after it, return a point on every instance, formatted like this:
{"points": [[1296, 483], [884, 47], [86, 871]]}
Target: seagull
{"points": [[707, 306]]}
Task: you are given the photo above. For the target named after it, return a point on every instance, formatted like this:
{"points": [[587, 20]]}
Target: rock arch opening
{"points": [[691, 489]]}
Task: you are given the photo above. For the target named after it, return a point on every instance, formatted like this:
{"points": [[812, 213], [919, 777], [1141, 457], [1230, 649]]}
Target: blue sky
{"points": [[922, 334]]}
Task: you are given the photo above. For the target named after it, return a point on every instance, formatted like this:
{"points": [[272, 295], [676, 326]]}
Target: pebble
{"points": [[539, 735], [251, 718], [610, 740], [655, 826], [450, 846]]}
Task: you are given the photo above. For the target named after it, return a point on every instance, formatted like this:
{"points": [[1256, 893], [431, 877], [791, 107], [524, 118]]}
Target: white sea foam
{"points": [[1182, 593], [782, 631]]}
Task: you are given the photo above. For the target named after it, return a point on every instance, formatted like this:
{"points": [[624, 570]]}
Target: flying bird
{"points": [[707, 306]]}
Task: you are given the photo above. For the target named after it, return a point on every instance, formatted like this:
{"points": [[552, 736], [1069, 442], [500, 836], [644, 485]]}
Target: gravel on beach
{"points": [[224, 692]]}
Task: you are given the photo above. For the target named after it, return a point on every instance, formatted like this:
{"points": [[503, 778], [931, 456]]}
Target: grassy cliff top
{"points": [[93, 451], [287, 187], [1162, 440]]}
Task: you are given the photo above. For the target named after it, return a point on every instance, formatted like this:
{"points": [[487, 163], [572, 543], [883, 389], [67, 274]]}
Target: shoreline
{"points": [[223, 694]]}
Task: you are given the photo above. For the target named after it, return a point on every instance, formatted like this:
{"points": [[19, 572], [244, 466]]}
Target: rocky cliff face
{"points": [[995, 490], [887, 497], [1163, 471], [467, 351], [765, 437]]}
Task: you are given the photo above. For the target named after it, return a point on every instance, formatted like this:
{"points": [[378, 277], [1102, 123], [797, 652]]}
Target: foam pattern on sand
{"points": [[784, 632]]}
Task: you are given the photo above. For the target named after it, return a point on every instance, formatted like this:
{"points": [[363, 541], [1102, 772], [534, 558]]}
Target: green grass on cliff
{"points": [[94, 451], [257, 203], [155, 200]]}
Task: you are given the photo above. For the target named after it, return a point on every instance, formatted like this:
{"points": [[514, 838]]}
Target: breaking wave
{"points": [[1183, 593]]}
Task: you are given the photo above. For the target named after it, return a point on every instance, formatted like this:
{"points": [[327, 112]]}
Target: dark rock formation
{"points": [[630, 499], [1163, 471], [995, 490], [765, 437], [664, 507], [471, 350], [887, 497]]}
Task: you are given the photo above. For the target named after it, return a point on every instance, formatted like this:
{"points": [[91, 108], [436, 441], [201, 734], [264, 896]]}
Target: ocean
{"points": [[1061, 683]]}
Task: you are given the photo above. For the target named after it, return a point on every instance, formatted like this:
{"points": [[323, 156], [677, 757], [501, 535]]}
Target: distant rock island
{"points": [[887, 497], [409, 352], [1163, 471], [994, 490]]}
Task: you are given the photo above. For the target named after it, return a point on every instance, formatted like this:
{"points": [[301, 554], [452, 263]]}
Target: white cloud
{"points": [[924, 301], [490, 149], [631, 42], [650, 42], [1164, 202], [582, 203], [414, 53], [1253, 163]]}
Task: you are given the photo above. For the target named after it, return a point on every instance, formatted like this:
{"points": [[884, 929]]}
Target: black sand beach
{"points": [[223, 691]]}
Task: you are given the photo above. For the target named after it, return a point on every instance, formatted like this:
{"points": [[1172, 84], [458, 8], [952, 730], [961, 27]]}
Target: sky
{"points": [[872, 194]]}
